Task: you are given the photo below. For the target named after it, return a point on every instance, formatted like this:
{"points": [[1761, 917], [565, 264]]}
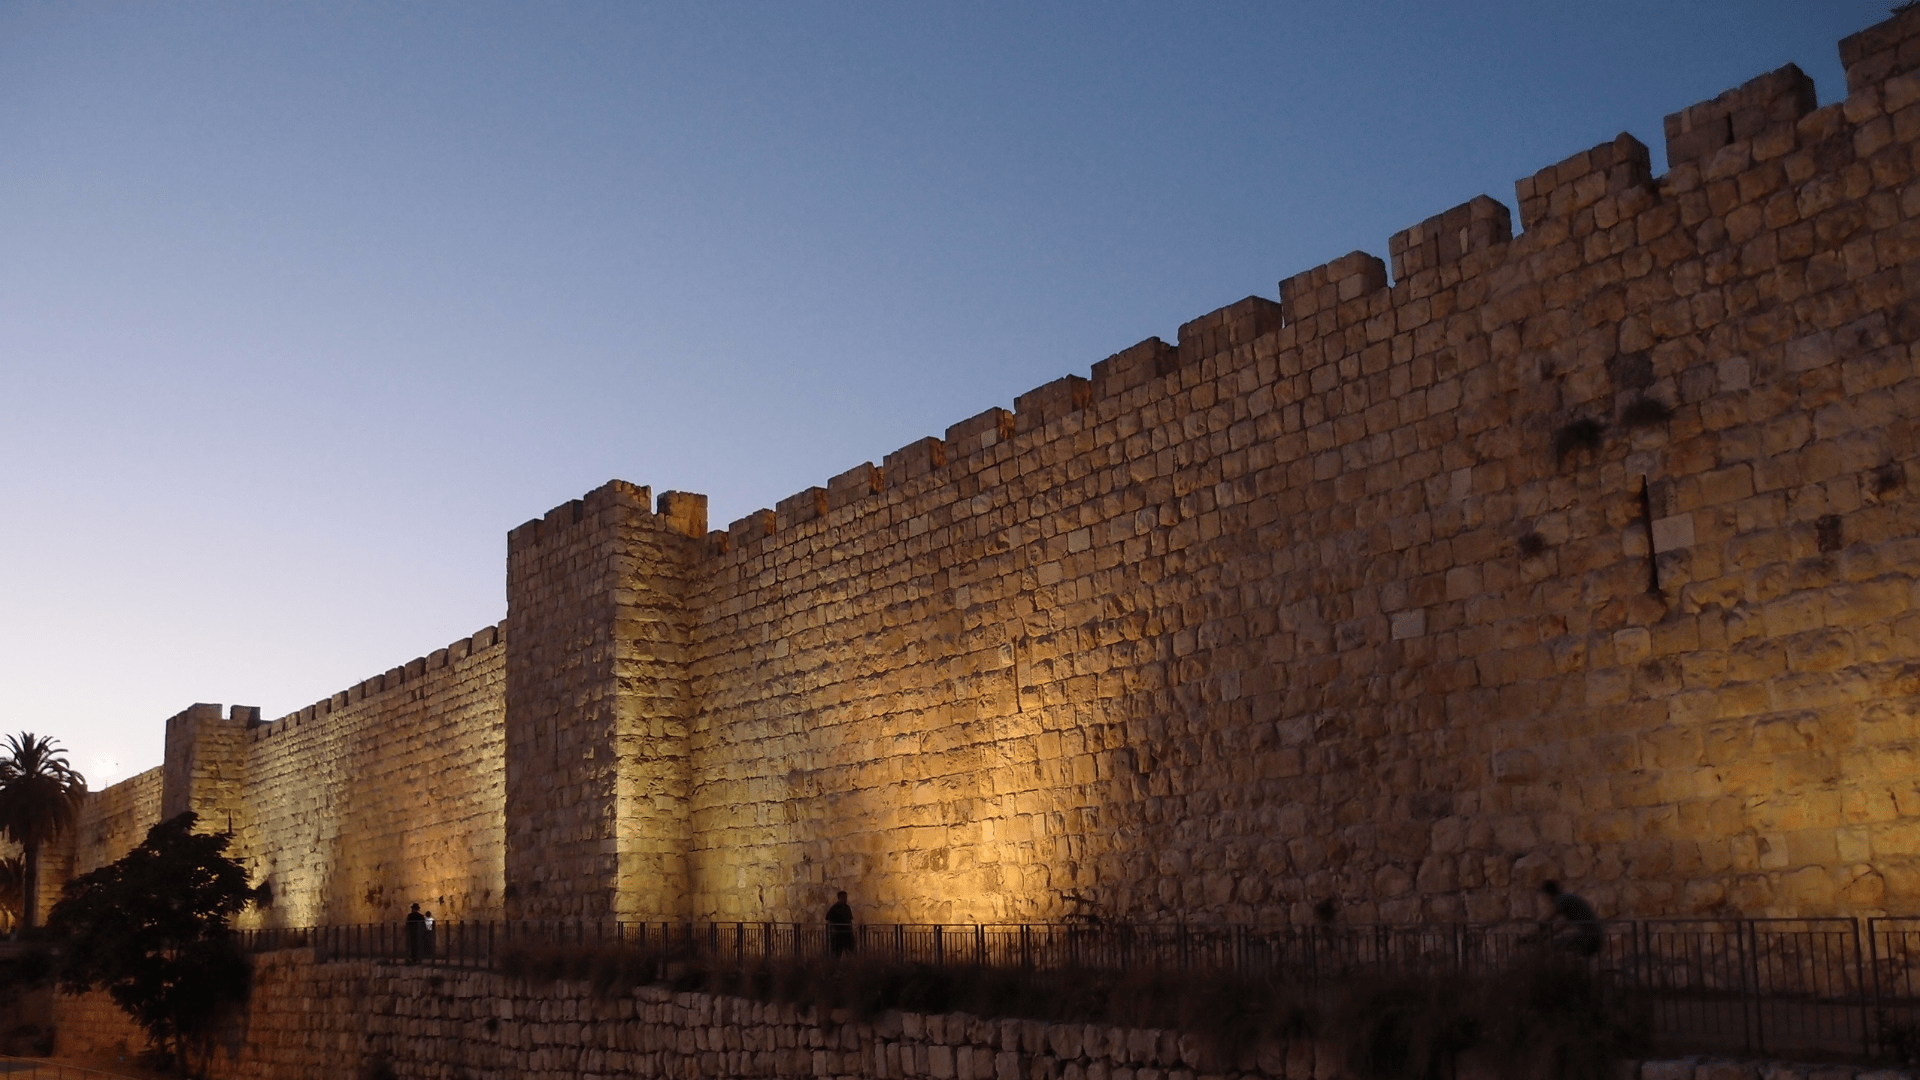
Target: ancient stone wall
{"points": [[1588, 553], [385, 795], [109, 824], [114, 820]]}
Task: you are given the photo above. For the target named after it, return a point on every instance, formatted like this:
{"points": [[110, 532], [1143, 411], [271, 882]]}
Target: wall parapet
{"points": [[489, 637]]}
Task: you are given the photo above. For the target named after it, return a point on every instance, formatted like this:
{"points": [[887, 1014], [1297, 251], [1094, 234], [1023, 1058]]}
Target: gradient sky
{"points": [[303, 307]]}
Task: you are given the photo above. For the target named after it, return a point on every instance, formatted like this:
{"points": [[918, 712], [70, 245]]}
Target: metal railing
{"points": [[13, 1068], [1727, 985]]}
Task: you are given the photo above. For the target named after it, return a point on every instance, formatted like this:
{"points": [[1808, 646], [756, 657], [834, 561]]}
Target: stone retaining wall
{"points": [[334, 1021]]}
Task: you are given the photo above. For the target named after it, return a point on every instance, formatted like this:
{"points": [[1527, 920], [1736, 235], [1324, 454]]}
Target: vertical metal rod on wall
{"points": [[1653, 561]]}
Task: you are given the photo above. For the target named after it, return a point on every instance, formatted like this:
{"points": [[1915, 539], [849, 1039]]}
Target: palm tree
{"points": [[13, 878], [39, 796]]}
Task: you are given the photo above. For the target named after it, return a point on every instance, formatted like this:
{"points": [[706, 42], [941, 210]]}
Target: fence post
{"points": [[1860, 990], [1749, 979], [979, 945]]}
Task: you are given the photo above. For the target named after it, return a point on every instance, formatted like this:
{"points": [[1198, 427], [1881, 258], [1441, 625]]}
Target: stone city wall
{"points": [[1586, 553], [113, 821], [109, 824], [388, 794]]}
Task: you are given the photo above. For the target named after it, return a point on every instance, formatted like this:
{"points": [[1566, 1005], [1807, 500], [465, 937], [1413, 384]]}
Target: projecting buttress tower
{"points": [[598, 704]]}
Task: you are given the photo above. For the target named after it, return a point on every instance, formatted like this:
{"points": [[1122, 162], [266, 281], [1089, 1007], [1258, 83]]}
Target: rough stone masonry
{"points": [[1589, 553]]}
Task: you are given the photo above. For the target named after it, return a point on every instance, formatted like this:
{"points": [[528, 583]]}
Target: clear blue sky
{"points": [[303, 307]]}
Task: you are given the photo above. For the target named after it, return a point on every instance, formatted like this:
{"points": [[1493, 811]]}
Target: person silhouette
{"points": [[416, 929], [1583, 936], [840, 926]]}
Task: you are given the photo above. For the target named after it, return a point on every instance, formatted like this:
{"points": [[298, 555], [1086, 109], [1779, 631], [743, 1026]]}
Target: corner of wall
{"points": [[205, 769]]}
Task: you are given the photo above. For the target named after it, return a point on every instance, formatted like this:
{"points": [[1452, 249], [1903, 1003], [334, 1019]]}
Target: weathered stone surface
{"points": [[1587, 553]]}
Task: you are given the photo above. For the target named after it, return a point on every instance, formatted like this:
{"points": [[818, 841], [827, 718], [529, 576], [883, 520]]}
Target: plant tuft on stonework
{"points": [[151, 930]]}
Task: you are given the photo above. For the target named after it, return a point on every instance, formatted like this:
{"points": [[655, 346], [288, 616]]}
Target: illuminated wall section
{"points": [[1586, 552], [388, 794], [597, 706]]}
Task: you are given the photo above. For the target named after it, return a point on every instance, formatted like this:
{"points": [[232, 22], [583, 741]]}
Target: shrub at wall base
{"points": [[151, 930]]}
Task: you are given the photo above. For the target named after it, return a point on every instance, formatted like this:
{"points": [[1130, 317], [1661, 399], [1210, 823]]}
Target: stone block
{"points": [[1445, 238], [1778, 97]]}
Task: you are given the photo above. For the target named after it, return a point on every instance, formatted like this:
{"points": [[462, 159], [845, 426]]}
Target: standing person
{"points": [[1584, 935], [840, 926], [426, 936], [416, 929]]}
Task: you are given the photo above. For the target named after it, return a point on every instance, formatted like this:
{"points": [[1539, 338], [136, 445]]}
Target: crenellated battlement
{"points": [[1882, 53], [1596, 189], [1475, 225], [491, 637], [1769, 101]]}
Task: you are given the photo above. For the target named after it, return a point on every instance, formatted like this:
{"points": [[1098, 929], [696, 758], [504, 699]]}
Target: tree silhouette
{"points": [[39, 796], [151, 929], [13, 890]]}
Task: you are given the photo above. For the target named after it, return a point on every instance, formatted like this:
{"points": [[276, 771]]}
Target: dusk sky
{"points": [[303, 307]]}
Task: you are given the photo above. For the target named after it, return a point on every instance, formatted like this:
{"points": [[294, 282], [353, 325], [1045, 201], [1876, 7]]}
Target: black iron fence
{"points": [[1777, 986]]}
